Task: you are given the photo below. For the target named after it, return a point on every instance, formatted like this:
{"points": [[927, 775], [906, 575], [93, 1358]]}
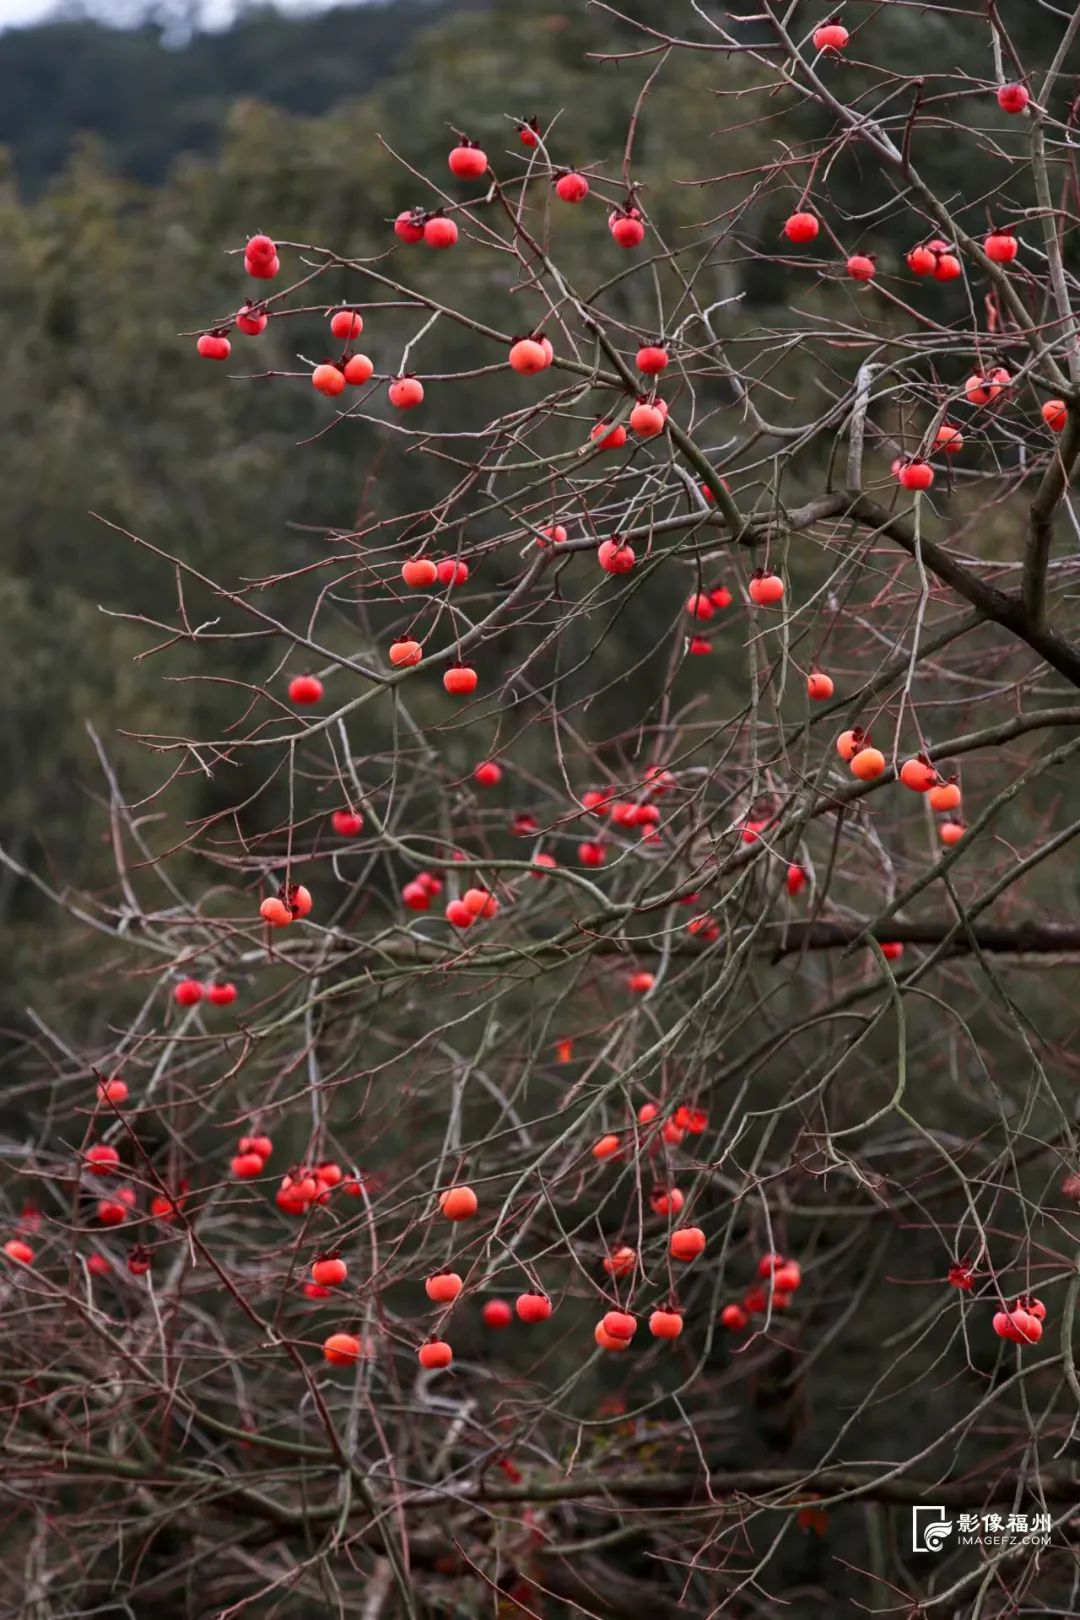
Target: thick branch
{"points": [[1004, 607], [1015, 939], [791, 1485], [1054, 484]]}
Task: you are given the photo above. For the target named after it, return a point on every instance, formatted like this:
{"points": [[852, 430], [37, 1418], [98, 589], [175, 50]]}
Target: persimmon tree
{"points": [[596, 1129]]}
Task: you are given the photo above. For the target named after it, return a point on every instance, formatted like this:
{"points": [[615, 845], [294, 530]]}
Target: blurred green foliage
{"points": [[289, 125]]}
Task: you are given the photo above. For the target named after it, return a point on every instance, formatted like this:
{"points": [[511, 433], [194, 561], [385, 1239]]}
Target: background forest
{"points": [[129, 164], [135, 165]]}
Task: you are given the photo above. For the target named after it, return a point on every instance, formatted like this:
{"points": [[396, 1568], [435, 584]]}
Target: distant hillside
{"points": [[149, 100]]}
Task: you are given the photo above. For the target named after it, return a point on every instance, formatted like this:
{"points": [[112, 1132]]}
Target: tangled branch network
{"points": [[587, 1118]]}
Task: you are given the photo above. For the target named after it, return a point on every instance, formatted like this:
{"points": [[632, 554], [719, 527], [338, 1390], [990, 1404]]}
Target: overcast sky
{"points": [[213, 12]]}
